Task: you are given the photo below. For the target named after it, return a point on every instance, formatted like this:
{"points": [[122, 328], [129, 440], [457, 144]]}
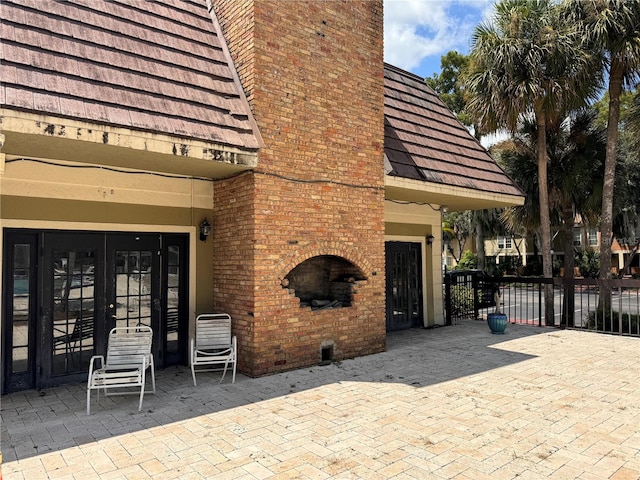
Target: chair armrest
{"points": [[92, 364]]}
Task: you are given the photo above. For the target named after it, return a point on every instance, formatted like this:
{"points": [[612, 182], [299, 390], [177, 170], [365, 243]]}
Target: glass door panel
{"points": [[133, 295], [174, 330], [72, 305], [73, 310], [133, 284], [173, 298], [19, 312]]}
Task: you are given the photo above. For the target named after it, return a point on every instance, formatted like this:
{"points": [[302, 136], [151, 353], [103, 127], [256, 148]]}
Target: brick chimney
{"points": [[313, 74]]}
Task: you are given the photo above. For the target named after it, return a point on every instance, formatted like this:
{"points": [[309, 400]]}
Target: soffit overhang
{"points": [[404, 190], [45, 136]]}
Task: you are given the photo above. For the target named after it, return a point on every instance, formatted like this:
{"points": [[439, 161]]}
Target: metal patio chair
{"points": [[213, 348], [127, 360]]}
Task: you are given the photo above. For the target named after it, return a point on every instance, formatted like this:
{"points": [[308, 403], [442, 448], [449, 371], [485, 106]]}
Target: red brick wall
{"points": [[313, 74], [233, 267]]}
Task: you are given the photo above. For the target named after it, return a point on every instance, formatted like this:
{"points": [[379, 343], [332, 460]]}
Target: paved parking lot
{"points": [[448, 403]]}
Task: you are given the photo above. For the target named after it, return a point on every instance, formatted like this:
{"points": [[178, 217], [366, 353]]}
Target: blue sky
{"points": [[418, 32]]}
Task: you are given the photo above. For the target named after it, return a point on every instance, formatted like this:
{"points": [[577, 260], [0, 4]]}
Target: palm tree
{"points": [[486, 223], [576, 149], [456, 226], [613, 30], [529, 61]]}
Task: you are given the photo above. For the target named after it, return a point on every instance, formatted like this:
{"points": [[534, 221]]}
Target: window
{"points": [[577, 238], [504, 242], [593, 237]]}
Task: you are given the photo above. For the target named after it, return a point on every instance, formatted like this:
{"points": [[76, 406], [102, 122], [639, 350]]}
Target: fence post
{"points": [[447, 297], [474, 288], [620, 315], [540, 313]]}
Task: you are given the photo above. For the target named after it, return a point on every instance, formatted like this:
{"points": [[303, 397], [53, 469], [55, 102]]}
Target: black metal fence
{"points": [[471, 294]]}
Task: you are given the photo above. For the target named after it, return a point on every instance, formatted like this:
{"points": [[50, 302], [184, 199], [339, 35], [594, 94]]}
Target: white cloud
{"points": [[496, 137], [417, 29]]}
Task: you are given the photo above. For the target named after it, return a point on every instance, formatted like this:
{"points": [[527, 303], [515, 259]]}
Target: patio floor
{"points": [[447, 403]]}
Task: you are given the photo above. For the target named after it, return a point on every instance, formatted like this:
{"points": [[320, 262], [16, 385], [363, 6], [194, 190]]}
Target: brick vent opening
{"points": [[325, 281]]}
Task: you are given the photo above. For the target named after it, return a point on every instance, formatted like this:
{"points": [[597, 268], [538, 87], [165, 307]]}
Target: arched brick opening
{"points": [[324, 281]]}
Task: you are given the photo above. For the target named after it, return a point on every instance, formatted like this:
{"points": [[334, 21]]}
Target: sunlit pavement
{"points": [[453, 402]]}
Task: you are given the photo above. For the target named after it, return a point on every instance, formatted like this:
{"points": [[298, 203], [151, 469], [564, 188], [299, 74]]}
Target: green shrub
{"points": [[461, 300], [533, 267], [468, 261], [495, 269], [588, 261], [611, 322]]}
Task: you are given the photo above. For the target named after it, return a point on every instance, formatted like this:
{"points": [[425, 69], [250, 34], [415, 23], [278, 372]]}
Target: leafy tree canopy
{"points": [[602, 107], [449, 87]]}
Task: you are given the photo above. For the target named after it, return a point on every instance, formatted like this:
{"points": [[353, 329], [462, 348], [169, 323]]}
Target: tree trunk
{"points": [[606, 218], [545, 220], [480, 252], [568, 306], [517, 244]]}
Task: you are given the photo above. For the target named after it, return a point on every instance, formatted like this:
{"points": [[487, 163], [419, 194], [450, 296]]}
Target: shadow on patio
{"points": [[36, 422]]}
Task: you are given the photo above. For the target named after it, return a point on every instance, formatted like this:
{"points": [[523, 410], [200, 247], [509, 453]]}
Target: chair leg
{"points": [[88, 401], [233, 380], [226, 364], [153, 376], [193, 373], [142, 387]]}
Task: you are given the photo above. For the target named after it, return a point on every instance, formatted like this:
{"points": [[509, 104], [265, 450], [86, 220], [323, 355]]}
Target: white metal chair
{"points": [[213, 347], [128, 358]]}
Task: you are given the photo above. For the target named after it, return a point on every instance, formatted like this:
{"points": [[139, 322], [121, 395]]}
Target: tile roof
{"points": [[424, 140], [154, 66]]}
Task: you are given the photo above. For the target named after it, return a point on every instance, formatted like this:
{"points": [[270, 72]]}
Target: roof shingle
{"points": [[153, 66], [424, 140]]}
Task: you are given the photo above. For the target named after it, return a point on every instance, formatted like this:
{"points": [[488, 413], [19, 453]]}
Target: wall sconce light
{"points": [[444, 209], [430, 239], [205, 230]]}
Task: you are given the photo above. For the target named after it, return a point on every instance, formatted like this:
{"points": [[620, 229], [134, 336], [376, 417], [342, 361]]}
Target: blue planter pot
{"points": [[497, 322]]}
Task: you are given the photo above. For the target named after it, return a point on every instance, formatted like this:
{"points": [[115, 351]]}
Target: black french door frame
{"points": [[404, 299], [72, 279], [63, 307], [133, 283], [175, 300]]}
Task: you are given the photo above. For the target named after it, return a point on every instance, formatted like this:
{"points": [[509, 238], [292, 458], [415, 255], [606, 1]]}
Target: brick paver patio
{"points": [[449, 403]]}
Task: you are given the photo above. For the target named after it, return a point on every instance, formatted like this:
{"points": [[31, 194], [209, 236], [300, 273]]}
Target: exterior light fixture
{"points": [[205, 230], [430, 239]]}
